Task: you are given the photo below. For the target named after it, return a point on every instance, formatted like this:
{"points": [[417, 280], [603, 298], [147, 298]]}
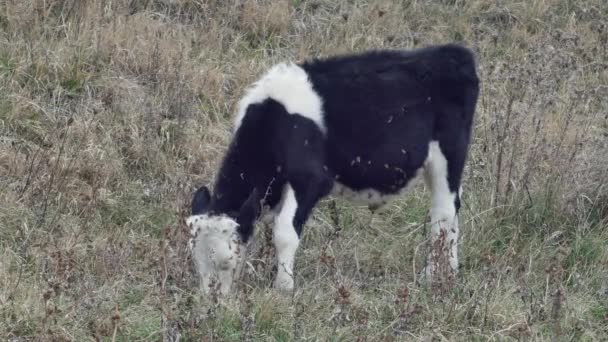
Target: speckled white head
{"points": [[218, 240], [217, 250]]}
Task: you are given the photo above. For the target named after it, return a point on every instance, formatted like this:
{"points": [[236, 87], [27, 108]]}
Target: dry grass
{"points": [[113, 111]]}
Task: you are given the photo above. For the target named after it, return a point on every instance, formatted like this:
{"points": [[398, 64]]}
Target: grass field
{"points": [[113, 111]]}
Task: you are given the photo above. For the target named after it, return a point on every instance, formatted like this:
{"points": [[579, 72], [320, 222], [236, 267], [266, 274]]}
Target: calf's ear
{"points": [[250, 210], [201, 200]]}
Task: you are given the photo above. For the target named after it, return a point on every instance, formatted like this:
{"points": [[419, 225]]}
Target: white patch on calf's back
{"points": [[288, 84]]}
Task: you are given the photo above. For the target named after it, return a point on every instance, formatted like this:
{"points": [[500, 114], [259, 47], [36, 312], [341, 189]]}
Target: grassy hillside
{"points": [[113, 111]]}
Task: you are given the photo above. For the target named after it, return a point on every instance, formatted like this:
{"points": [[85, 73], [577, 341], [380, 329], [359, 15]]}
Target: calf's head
{"points": [[217, 239]]}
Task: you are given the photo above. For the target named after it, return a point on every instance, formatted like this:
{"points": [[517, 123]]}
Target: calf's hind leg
{"points": [[442, 175]]}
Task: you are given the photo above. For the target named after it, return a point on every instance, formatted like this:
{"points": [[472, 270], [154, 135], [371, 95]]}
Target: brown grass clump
{"points": [[113, 111]]}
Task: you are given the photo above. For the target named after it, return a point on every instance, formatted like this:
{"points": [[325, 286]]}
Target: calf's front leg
{"points": [[299, 198]]}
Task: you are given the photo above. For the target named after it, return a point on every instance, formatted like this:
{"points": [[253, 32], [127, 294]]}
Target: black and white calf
{"points": [[362, 125]]}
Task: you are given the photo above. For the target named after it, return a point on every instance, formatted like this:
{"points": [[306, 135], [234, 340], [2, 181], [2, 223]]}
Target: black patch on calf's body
{"points": [[382, 103]]}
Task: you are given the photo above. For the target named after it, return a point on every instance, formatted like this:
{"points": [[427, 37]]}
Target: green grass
{"points": [[6, 65]]}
